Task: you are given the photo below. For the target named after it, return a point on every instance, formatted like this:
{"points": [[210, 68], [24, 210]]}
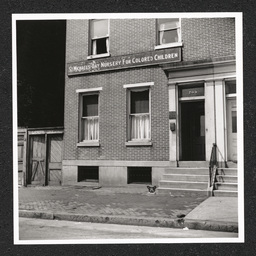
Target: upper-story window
{"points": [[168, 33], [99, 38]]}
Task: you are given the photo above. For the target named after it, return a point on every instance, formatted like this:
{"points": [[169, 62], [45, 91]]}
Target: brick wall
{"points": [[207, 38], [112, 113], [202, 38]]}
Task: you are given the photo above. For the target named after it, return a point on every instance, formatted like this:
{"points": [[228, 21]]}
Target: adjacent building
{"points": [[143, 95]]}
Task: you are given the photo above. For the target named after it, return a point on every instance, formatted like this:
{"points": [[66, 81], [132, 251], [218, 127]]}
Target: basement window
{"points": [[88, 174], [139, 175]]}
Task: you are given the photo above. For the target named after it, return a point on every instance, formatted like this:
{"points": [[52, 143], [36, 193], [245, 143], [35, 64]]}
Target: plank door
{"points": [[55, 146], [37, 160]]}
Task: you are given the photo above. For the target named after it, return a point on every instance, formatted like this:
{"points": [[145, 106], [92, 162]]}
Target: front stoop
{"points": [[184, 180], [226, 184]]}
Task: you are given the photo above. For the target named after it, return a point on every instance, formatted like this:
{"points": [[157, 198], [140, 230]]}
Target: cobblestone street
{"points": [[116, 201]]}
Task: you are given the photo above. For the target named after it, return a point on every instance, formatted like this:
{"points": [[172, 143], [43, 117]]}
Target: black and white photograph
{"points": [[128, 128]]}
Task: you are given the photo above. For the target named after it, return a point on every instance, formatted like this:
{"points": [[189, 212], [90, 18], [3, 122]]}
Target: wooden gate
{"points": [[44, 156], [22, 139], [55, 143]]}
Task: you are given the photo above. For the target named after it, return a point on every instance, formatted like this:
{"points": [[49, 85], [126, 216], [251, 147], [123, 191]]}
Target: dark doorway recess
{"points": [[192, 131], [139, 175]]}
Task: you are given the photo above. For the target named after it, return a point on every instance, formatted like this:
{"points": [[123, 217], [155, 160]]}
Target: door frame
{"points": [[179, 100], [181, 152], [229, 97]]}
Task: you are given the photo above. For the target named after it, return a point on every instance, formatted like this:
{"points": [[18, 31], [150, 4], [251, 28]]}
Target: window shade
{"points": [[140, 102], [90, 105]]}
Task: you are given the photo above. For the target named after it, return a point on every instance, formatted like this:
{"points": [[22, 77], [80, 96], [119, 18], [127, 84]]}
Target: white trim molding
{"points": [[170, 45], [138, 85], [89, 90]]}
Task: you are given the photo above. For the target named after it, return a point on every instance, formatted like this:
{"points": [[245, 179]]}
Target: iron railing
{"points": [[213, 165]]}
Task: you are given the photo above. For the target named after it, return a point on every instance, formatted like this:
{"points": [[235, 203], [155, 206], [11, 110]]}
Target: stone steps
{"points": [[225, 193], [181, 191], [227, 184], [226, 178], [195, 179], [186, 170], [183, 184], [184, 179]]}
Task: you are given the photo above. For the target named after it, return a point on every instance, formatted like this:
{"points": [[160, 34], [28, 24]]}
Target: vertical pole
{"points": [[24, 167], [46, 160]]}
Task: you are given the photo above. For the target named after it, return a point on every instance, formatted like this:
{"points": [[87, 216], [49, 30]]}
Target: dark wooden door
{"points": [[192, 131], [55, 145]]}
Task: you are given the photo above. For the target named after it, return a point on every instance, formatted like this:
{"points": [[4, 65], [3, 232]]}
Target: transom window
{"points": [[168, 31], [90, 118], [139, 118], [99, 36], [230, 87]]}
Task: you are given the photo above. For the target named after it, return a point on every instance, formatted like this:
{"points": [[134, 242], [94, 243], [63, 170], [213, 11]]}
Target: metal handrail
{"points": [[213, 165]]}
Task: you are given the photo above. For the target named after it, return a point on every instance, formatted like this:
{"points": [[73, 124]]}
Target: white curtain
{"points": [[140, 127], [90, 128]]}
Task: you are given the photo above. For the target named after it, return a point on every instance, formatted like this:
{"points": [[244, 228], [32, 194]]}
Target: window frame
{"points": [[168, 45], [81, 93], [90, 53], [133, 88]]}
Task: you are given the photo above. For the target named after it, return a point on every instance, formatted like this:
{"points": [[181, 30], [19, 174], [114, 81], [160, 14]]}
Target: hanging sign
{"points": [[126, 61]]}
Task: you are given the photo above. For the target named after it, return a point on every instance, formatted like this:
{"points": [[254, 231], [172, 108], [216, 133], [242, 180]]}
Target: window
{"points": [[88, 174], [168, 33], [139, 114], [139, 117], [89, 118], [139, 175], [99, 38], [230, 87]]}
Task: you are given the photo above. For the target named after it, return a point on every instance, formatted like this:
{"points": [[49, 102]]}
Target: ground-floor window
{"points": [[139, 114], [88, 174], [89, 118], [139, 175]]}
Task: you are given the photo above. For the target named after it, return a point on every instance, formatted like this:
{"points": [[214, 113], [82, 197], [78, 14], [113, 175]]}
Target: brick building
{"points": [[144, 95]]}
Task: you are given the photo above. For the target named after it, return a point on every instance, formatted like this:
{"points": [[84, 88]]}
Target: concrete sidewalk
{"points": [[131, 205]]}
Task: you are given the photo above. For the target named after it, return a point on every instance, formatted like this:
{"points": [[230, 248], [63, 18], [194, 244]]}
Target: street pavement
{"points": [[131, 205], [40, 229]]}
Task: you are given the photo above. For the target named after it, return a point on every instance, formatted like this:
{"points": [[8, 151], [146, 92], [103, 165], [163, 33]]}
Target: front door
{"points": [[232, 129], [192, 134]]}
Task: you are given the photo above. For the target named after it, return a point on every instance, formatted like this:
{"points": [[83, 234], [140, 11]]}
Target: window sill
{"points": [[98, 56], [172, 45], [88, 144], [138, 143]]}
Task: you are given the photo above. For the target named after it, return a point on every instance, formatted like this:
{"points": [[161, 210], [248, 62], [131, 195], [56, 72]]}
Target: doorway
{"points": [[232, 129], [192, 132], [44, 157]]}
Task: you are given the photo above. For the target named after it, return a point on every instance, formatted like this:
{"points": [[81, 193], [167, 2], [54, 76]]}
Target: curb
{"points": [[131, 220], [212, 225], [138, 221]]}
